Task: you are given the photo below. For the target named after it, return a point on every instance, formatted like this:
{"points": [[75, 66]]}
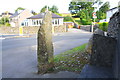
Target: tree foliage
{"points": [[53, 9], [43, 9], [68, 18], [84, 10], [4, 20], [33, 12], [19, 8], [76, 7], [101, 14]]}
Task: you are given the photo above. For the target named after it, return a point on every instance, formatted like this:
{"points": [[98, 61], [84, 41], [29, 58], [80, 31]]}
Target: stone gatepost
{"points": [[45, 46]]}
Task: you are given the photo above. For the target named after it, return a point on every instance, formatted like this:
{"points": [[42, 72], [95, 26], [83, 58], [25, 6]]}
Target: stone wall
{"points": [[114, 31], [88, 27], [113, 25], [9, 30], [106, 49], [103, 50], [61, 28], [29, 30]]}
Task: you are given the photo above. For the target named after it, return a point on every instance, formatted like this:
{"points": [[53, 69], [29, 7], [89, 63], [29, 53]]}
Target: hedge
{"points": [[103, 26]]}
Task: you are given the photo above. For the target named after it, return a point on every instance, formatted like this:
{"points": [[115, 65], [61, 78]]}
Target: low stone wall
{"points": [[113, 25], [30, 30], [61, 28], [103, 50], [9, 30], [114, 31], [88, 27], [106, 49]]}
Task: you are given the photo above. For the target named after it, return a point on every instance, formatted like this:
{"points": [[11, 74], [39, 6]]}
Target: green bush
{"points": [[68, 18], [86, 22], [7, 24], [103, 26]]}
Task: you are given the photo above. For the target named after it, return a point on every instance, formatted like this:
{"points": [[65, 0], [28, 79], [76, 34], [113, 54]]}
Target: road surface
{"points": [[19, 55]]}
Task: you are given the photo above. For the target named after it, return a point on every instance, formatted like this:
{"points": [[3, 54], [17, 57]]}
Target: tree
{"points": [[68, 18], [76, 7], [84, 10], [33, 12], [19, 8], [101, 14], [54, 9], [4, 20], [43, 9]]}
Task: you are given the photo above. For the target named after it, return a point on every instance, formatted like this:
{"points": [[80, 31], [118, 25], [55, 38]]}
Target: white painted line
{"points": [[2, 38]]}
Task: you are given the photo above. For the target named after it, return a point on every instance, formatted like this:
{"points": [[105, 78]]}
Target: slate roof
{"points": [[41, 15], [14, 15], [6, 13], [112, 8]]}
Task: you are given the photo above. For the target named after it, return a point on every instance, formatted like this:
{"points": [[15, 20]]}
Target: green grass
{"points": [[71, 60]]}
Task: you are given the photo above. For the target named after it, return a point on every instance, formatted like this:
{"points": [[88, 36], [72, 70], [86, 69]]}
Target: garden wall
{"points": [[106, 49], [60, 28], [114, 31], [30, 30], [87, 27]]}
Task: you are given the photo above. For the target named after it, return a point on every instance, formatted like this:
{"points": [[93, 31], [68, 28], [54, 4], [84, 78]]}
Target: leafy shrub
{"points": [[103, 26], [7, 24], [86, 22], [68, 18]]}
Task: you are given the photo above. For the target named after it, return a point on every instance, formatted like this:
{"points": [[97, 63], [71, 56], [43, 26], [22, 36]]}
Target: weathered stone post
{"points": [[45, 46]]}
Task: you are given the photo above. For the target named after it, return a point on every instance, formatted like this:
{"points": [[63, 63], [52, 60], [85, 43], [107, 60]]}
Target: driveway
{"points": [[19, 56]]}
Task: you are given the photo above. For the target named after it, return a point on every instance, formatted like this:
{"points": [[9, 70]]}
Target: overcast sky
{"points": [[36, 5]]}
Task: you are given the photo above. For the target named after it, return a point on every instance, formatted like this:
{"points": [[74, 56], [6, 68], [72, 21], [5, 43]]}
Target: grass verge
{"points": [[71, 60]]}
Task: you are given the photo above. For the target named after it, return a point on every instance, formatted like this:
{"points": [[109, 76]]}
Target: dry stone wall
{"points": [[30, 30], [106, 49], [113, 25], [103, 50]]}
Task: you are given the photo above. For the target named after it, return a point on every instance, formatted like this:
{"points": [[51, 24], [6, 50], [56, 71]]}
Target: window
{"points": [[40, 22], [25, 23], [58, 21], [22, 24], [37, 22], [34, 22], [55, 21]]}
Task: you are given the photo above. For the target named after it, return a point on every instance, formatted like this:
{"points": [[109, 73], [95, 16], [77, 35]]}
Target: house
{"points": [[109, 14], [6, 14], [37, 20], [19, 17]]}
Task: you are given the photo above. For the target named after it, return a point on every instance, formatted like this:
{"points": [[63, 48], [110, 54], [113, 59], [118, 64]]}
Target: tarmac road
{"points": [[19, 56]]}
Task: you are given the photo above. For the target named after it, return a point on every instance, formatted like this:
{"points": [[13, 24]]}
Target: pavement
{"points": [[91, 71], [6, 36], [19, 55]]}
